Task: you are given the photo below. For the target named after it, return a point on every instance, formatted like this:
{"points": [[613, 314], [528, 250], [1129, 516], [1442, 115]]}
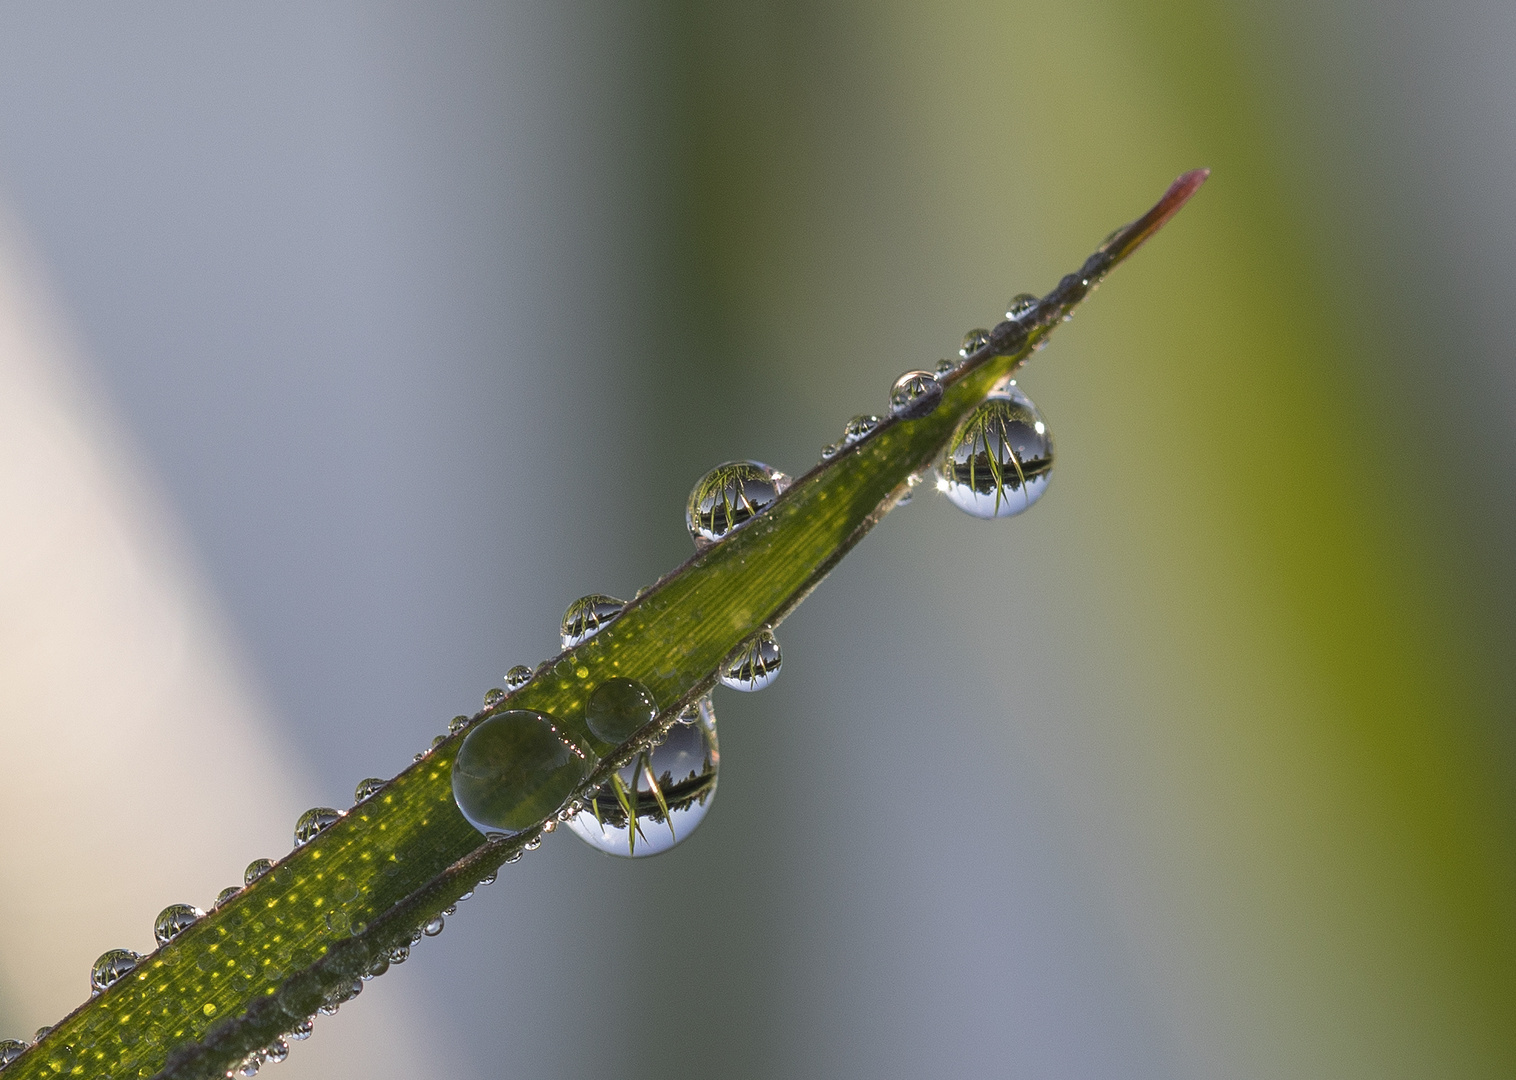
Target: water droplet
{"points": [[433, 926], [366, 788], [400, 953], [513, 770], [663, 793], [10, 1050], [729, 496], [618, 707], [466, 896], [42, 1033], [973, 341], [587, 616], [315, 820], [437, 740], [301, 1031], [1000, 459], [518, 677], [377, 968], [914, 395], [493, 696], [226, 894], [490, 878], [859, 428], [111, 966], [945, 367], [691, 714], [457, 724], [756, 666], [276, 1052], [533, 844], [249, 1067], [830, 450], [175, 920], [256, 869], [1021, 305]]}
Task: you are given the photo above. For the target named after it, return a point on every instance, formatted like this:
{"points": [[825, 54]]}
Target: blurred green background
{"points": [[425, 320]]}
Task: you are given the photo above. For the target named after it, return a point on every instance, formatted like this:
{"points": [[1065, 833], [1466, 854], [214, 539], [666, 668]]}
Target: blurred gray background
{"points": [[424, 318]]}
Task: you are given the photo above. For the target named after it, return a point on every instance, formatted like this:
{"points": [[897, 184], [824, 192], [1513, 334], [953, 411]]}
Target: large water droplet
{"points": [[756, 666], [1000, 459], [729, 496], [518, 677], [111, 967], [175, 920], [513, 770], [657, 800], [973, 341], [914, 395], [315, 820], [367, 788], [256, 869], [587, 616], [617, 708], [858, 429], [1021, 305], [433, 926], [10, 1050]]}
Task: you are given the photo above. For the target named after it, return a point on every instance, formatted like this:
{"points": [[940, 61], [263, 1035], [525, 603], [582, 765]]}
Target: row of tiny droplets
{"points": [[915, 394]]}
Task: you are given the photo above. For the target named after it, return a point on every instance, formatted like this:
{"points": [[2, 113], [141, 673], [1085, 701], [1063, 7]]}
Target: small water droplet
{"points": [[457, 724], [493, 696], [490, 878], [756, 666], [659, 797], [315, 820], [587, 616], [914, 395], [830, 450], [513, 770], [533, 844], [518, 677], [301, 1031], [618, 707], [175, 920], [973, 341], [690, 714], [729, 496], [433, 926], [248, 1068], [1000, 459], [859, 428], [111, 967], [226, 894], [945, 367], [1021, 305], [276, 1052], [550, 825], [466, 896], [256, 869], [42, 1032], [400, 953], [367, 788], [10, 1050], [377, 968], [437, 740]]}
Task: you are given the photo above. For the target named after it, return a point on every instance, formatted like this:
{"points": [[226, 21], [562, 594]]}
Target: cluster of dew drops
{"points": [[515, 768]]}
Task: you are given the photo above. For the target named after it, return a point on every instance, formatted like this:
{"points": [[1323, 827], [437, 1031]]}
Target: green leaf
{"points": [[304, 933]]}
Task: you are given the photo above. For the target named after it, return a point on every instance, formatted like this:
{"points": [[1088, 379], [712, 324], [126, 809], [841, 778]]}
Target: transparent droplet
{"points": [[691, 714], [315, 820], [400, 953], [301, 1031], [587, 616], [437, 740], [433, 926], [617, 708], [457, 724], [973, 341], [450, 910], [226, 894], [830, 450], [466, 896], [490, 878], [729, 496], [914, 395], [175, 920], [1000, 459], [518, 677], [41, 1033], [756, 666], [249, 1067], [377, 968], [10, 1050], [276, 1052], [111, 967], [367, 788], [513, 770], [657, 800], [858, 429], [256, 869], [493, 696], [1021, 305], [945, 367]]}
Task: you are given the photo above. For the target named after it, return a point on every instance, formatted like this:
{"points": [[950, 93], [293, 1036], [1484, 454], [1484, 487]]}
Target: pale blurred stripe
{"points": [[139, 770]]}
